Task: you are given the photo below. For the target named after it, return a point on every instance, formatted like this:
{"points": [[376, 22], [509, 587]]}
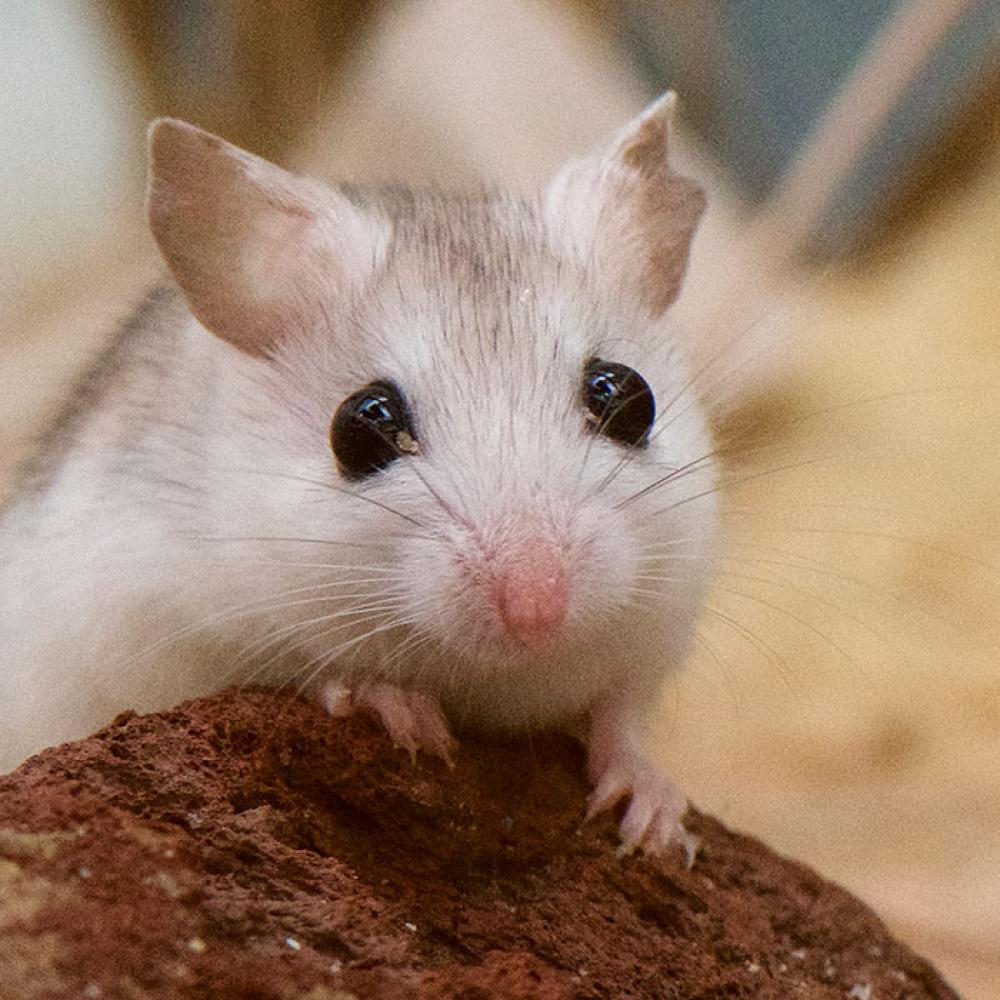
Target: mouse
{"points": [[436, 456]]}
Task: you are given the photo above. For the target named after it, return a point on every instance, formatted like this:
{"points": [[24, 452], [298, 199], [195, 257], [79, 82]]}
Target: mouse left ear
{"points": [[261, 255], [625, 213]]}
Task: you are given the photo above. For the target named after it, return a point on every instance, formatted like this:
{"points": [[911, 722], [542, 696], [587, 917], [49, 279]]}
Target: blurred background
{"points": [[843, 700]]}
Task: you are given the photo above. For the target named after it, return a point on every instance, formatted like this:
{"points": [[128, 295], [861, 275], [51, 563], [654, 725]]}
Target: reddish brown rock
{"points": [[249, 846]]}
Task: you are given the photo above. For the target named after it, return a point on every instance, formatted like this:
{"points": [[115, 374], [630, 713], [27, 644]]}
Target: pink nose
{"points": [[532, 592]]}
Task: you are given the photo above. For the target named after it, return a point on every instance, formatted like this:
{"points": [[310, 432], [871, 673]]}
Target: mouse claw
{"points": [[412, 720], [653, 819], [610, 790], [337, 701], [434, 735]]}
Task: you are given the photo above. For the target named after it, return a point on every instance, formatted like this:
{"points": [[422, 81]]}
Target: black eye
{"points": [[371, 429], [619, 402]]}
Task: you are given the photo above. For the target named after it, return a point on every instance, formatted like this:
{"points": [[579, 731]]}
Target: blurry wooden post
{"points": [[254, 70]]}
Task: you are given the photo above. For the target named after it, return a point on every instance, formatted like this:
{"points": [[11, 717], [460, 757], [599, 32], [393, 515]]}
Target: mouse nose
{"points": [[532, 592]]}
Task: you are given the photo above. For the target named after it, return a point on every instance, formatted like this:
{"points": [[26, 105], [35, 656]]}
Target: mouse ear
{"points": [[625, 213], [258, 253]]}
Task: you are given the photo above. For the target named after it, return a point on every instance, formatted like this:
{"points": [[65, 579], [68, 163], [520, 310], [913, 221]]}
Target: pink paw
{"points": [[413, 720], [653, 819]]}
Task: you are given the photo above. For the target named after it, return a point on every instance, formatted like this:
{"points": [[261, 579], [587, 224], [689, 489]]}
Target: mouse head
{"points": [[479, 399]]}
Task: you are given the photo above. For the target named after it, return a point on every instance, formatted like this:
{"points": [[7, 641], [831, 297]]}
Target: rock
{"points": [[249, 846]]}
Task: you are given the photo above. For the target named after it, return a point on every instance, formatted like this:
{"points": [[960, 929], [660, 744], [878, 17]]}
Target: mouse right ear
{"points": [[623, 212], [259, 253]]}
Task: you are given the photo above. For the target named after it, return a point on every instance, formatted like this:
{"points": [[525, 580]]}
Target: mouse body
{"points": [[435, 455]]}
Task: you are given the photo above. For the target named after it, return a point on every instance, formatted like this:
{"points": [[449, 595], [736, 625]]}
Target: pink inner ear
{"points": [[273, 286], [664, 207], [624, 209], [241, 237], [675, 206], [250, 281]]}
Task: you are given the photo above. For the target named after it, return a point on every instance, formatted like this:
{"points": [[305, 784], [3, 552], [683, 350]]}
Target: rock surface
{"points": [[249, 846]]}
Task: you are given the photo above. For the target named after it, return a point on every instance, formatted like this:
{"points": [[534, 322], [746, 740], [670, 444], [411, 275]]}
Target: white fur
{"points": [[197, 532]]}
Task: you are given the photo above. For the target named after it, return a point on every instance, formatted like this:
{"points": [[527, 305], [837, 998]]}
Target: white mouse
{"points": [[437, 455]]}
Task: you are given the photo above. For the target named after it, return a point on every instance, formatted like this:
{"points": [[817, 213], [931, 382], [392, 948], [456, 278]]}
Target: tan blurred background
{"points": [[844, 700]]}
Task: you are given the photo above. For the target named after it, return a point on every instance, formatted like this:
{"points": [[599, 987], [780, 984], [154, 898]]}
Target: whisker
{"points": [[891, 537], [724, 666], [744, 479], [341, 490], [339, 651], [457, 516], [282, 631], [292, 538], [810, 595], [818, 567], [770, 653], [795, 618], [857, 402], [289, 647], [695, 465], [269, 603]]}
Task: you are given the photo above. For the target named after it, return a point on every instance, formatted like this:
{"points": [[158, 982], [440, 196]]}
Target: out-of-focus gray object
{"points": [[757, 74], [65, 140]]}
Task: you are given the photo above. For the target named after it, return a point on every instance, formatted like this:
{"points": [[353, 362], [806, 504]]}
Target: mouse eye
{"points": [[619, 402], [371, 429]]}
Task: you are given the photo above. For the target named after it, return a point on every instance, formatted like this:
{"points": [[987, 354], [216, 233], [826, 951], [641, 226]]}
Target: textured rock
{"points": [[249, 846]]}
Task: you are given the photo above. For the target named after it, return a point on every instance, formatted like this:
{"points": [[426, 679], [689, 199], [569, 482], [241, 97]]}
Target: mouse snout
{"points": [[531, 591]]}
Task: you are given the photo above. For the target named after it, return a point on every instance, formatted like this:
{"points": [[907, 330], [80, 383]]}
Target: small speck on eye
{"points": [[406, 443]]}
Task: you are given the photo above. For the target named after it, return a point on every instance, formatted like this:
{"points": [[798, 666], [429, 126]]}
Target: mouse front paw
{"points": [[413, 720], [653, 819], [619, 769]]}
